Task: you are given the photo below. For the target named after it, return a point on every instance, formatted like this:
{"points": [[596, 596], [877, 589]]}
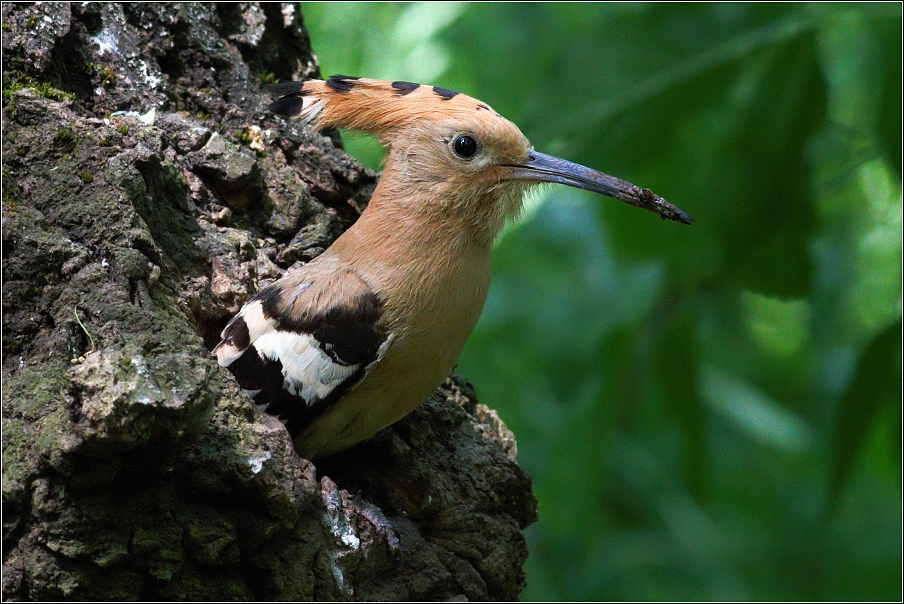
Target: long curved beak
{"points": [[547, 168]]}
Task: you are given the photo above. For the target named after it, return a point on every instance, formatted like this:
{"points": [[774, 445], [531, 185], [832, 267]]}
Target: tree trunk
{"points": [[146, 196]]}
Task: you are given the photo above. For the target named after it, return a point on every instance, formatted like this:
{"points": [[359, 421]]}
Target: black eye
{"points": [[465, 146]]}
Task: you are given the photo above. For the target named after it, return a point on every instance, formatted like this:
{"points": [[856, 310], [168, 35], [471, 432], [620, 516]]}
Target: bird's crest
{"points": [[373, 106]]}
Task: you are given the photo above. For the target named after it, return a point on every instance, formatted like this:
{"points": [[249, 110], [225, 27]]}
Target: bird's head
{"points": [[448, 150]]}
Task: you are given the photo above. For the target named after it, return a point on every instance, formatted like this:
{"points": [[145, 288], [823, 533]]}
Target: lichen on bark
{"points": [[146, 196]]}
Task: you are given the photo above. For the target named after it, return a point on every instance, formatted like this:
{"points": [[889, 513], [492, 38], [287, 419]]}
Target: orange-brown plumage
{"points": [[361, 335]]}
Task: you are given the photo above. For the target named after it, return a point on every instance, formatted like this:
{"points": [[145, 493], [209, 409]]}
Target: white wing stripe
{"points": [[257, 323], [308, 371]]}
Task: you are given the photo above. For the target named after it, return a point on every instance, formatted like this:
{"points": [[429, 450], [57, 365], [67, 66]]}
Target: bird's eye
{"points": [[465, 146]]}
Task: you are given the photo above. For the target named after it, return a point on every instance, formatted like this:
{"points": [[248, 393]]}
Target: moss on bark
{"points": [[139, 213]]}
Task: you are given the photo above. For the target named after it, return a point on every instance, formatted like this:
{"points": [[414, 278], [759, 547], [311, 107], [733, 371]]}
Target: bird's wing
{"points": [[304, 341]]}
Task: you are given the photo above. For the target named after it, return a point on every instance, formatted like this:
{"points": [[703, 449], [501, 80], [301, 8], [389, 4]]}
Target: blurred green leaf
{"points": [[876, 386], [756, 414], [675, 367]]}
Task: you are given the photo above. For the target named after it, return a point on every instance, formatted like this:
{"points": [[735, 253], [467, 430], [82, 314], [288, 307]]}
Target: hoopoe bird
{"points": [[360, 336]]}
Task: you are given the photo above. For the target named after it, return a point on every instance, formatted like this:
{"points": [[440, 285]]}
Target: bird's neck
{"points": [[405, 227], [415, 241]]}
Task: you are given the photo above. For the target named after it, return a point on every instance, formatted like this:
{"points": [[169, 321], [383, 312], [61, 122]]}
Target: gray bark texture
{"points": [[133, 466]]}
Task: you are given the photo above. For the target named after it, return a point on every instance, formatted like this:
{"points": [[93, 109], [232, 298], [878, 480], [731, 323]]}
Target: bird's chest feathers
{"points": [[432, 278], [440, 299]]}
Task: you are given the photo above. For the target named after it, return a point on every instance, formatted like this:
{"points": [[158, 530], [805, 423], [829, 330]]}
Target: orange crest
{"points": [[373, 106]]}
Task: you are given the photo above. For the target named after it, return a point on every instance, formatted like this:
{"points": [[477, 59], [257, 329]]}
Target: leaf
{"points": [[876, 385], [674, 367]]}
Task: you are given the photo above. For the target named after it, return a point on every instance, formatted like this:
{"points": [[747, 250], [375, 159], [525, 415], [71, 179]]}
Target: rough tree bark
{"points": [[133, 466]]}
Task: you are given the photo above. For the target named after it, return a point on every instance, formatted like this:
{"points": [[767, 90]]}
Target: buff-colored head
{"points": [[446, 148]]}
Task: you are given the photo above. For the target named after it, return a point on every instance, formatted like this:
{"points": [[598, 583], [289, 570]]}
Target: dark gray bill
{"points": [[548, 168]]}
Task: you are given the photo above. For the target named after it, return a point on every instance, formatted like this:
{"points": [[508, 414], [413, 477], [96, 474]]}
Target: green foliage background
{"points": [[708, 412]]}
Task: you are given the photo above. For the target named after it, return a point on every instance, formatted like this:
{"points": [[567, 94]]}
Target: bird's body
{"points": [[357, 338]]}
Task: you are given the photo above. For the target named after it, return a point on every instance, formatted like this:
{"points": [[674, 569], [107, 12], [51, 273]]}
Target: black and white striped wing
{"points": [[299, 345]]}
